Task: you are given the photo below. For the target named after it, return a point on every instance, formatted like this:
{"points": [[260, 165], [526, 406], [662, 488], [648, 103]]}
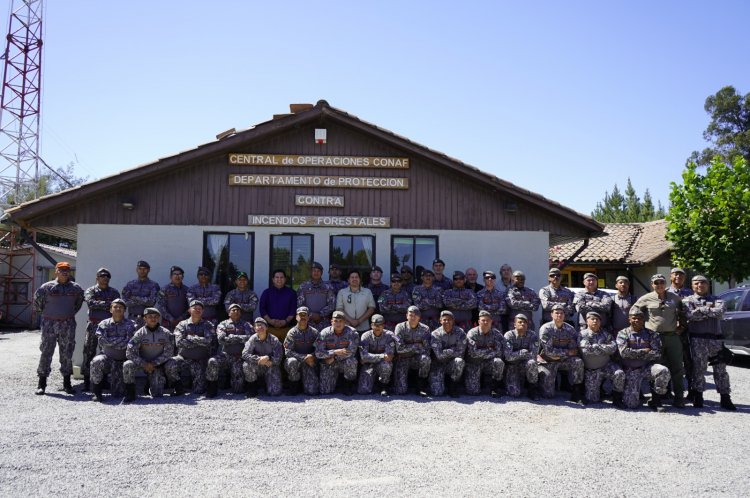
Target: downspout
{"points": [[565, 263]]}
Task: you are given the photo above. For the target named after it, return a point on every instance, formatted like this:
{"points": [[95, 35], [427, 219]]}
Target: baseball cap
{"points": [[151, 311], [303, 310], [377, 319], [554, 271], [414, 309], [677, 270], [103, 272], [196, 302], [657, 276], [63, 265], [143, 264], [317, 266], [377, 268], [590, 275], [338, 314], [446, 313], [438, 261], [234, 306]]}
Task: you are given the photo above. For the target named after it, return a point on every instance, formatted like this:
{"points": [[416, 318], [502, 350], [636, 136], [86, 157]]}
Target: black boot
{"points": [[212, 388], [452, 388], [179, 389], [726, 403], [422, 387], [146, 388], [97, 390], [495, 389], [129, 393], [251, 389], [385, 389], [697, 399], [67, 386], [293, 388], [655, 402], [348, 387], [86, 383], [617, 399], [576, 393], [679, 400], [41, 385], [533, 391]]}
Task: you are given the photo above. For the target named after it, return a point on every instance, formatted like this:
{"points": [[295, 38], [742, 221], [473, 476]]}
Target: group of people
{"points": [[447, 335]]}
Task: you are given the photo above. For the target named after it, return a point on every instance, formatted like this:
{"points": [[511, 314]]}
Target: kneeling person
{"points": [[196, 343], [336, 348], [522, 346], [376, 351], [486, 347], [597, 347], [299, 347], [448, 345], [114, 334], [232, 334], [262, 354], [559, 351], [412, 352]]}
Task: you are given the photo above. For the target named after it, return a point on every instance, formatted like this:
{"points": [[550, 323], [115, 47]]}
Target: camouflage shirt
{"points": [[56, 301], [255, 348], [522, 300], [150, 346], [598, 301], [247, 299], [448, 345], [99, 301], [638, 349], [492, 301], [596, 348], [232, 335], [704, 314], [521, 347], [139, 295], [328, 341], [411, 341], [300, 342], [373, 348], [319, 297], [549, 296], [172, 302], [195, 340], [210, 296], [556, 341], [485, 346]]}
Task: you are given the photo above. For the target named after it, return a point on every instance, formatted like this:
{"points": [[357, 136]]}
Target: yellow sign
{"points": [[290, 220], [331, 161], [317, 181]]}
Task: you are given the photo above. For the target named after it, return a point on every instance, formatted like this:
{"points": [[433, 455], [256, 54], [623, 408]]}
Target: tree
{"points": [[708, 221], [628, 208], [49, 183], [729, 129]]}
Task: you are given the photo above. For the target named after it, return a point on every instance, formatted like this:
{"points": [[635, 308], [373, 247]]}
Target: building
{"points": [[317, 184]]}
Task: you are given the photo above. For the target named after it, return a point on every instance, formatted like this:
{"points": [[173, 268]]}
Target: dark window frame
{"points": [[417, 277], [271, 267], [365, 272], [251, 276]]}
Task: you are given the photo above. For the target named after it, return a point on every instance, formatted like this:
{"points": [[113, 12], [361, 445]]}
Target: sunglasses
{"points": [[490, 278]]}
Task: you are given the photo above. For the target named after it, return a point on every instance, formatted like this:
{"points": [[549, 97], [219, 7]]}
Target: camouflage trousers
{"points": [[402, 366], [296, 369], [516, 371], [656, 373], [454, 368], [62, 333], [197, 369], [548, 372], [368, 372], [90, 346], [156, 379], [253, 371], [593, 380], [701, 349], [103, 365], [231, 364], [475, 370], [329, 374]]}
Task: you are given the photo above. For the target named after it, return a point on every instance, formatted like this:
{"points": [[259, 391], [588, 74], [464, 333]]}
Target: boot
{"points": [[697, 399], [293, 388], [576, 393], [348, 387], [655, 402], [495, 389], [453, 388], [385, 390], [212, 388], [251, 389], [41, 385], [726, 403], [690, 398], [97, 390], [179, 389], [679, 400], [533, 391], [67, 386], [422, 387], [617, 399], [86, 383], [129, 393], [146, 390]]}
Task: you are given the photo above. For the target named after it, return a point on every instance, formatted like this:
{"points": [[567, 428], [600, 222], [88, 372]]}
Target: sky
{"points": [[566, 99]]}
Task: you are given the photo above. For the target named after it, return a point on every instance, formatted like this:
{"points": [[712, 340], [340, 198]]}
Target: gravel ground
{"points": [[68, 445]]}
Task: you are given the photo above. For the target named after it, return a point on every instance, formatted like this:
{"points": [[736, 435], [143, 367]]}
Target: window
{"points": [[417, 252], [733, 299], [226, 254], [293, 254], [354, 252]]}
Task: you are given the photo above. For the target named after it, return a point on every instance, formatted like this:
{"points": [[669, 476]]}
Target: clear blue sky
{"points": [[562, 98]]}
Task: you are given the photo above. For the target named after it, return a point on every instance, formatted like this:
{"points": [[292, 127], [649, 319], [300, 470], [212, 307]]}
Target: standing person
{"points": [[336, 348], [598, 348], [704, 313], [357, 303], [394, 302], [318, 297], [113, 335], [621, 303], [666, 316], [58, 301], [429, 300], [172, 300], [277, 306], [299, 348], [207, 293], [334, 278], [376, 285], [559, 351], [242, 295], [522, 299], [491, 299], [522, 346], [99, 299], [412, 352], [677, 286], [407, 279], [262, 358], [440, 281], [460, 301], [377, 349], [677, 283], [140, 293], [471, 283], [504, 283], [196, 343], [593, 299], [484, 356], [232, 335], [448, 344], [556, 293]]}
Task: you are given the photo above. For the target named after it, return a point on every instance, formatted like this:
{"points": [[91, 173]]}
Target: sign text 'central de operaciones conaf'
{"points": [[331, 161]]}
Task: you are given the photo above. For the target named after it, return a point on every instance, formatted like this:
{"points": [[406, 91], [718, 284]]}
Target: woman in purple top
{"points": [[277, 306]]}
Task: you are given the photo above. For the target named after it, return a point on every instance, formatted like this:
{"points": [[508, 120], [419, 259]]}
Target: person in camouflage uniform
{"points": [[556, 293], [377, 349], [207, 293], [521, 299], [262, 358], [492, 299], [299, 347], [484, 356], [318, 297], [440, 281], [113, 334], [593, 299], [503, 284], [621, 303], [58, 301], [151, 350], [460, 301], [242, 295], [640, 350], [677, 283], [99, 299], [336, 348], [704, 313], [448, 344], [196, 343], [522, 346], [597, 348], [412, 352], [394, 302], [172, 301], [232, 335], [407, 279], [376, 285], [334, 279], [429, 300], [677, 279], [140, 293], [559, 351]]}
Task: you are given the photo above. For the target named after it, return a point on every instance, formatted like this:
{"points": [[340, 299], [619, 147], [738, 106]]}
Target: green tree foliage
{"points": [[729, 129], [627, 208], [709, 219], [49, 183]]}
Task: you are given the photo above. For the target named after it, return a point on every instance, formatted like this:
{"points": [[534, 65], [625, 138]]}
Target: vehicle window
{"points": [[733, 299], [746, 302]]}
